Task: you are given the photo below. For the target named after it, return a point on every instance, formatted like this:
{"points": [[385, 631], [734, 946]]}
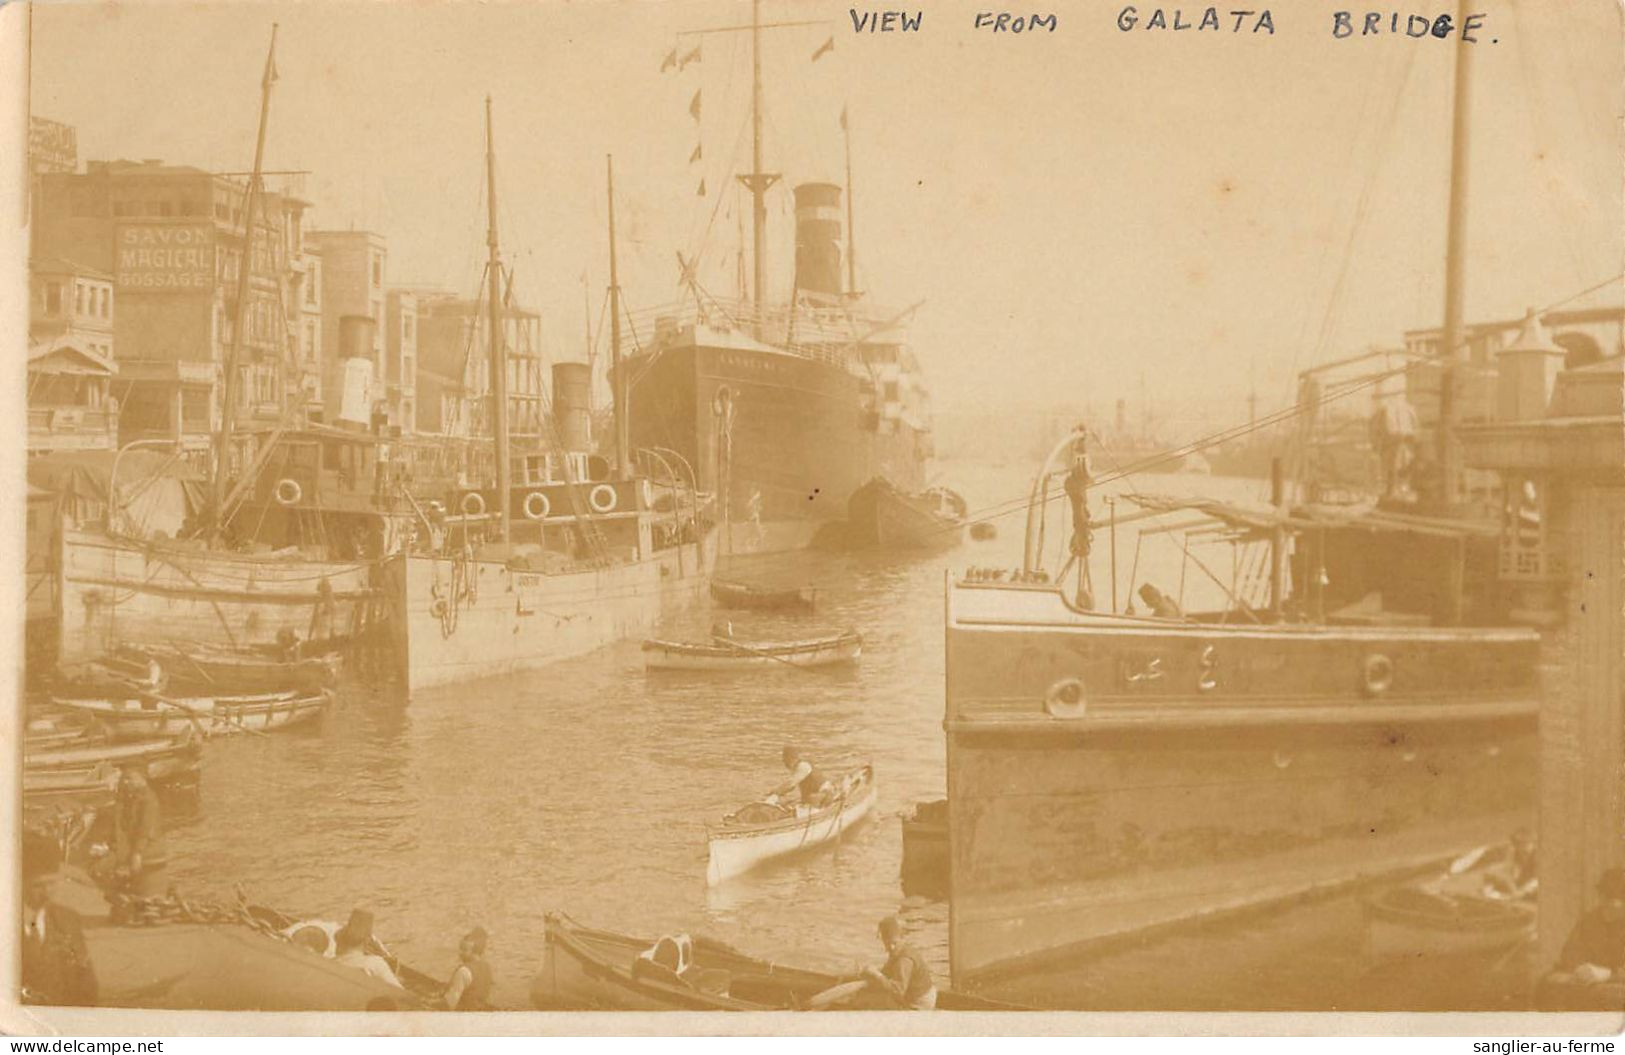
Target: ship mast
{"points": [[756, 180], [498, 366], [228, 391], [1455, 269], [617, 381], [851, 234]]}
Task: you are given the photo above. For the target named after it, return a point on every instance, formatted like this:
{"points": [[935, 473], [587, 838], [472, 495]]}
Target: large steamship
{"points": [[784, 409]]}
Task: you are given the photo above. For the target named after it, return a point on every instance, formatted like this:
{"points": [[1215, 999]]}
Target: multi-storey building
{"points": [[70, 358], [171, 237]]}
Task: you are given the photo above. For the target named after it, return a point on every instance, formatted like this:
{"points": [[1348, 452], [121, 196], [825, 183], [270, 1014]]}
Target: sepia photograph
{"points": [[931, 517]]}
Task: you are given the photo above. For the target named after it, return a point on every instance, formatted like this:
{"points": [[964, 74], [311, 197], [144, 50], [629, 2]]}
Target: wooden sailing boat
{"points": [[116, 587], [569, 561]]}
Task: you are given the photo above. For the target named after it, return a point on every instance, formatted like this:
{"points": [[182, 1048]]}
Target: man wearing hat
{"points": [[1595, 951], [470, 986], [811, 786], [351, 944], [905, 977], [56, 963]]}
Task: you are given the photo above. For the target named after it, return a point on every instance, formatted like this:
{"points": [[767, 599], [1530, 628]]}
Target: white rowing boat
{"points": [[730, 654], [155, 716], [762, 831]]}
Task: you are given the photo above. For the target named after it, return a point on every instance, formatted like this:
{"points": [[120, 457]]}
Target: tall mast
{"points": [[757, 180], [499, 364], [616, 380], [228, 391], [851, 234], [1455, 274]]}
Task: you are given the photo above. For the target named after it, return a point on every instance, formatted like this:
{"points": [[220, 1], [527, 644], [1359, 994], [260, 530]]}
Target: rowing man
{"points": [[813, 787]]}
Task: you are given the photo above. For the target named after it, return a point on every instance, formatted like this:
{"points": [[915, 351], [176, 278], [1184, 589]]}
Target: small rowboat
{"points": [[931, 520], [730, 654], [761, 598], [761, 832], [206, 670], [1417, 921], [586, 969], [152, 716], [89, 774]]}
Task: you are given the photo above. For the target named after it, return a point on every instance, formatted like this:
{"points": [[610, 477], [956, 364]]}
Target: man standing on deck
{"points": [[905, 977], [470, 986]]}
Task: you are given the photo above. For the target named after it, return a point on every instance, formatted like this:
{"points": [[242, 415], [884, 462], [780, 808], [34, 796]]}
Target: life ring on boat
{"points": [[537, 506], [602, 499], [1376, 674], [473, 504], [1065, 699], [438, 608], [288, 492]]}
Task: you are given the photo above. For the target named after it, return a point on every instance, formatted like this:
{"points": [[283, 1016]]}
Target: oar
{"points": [[198, 714], [731, 643], [835, 994]]}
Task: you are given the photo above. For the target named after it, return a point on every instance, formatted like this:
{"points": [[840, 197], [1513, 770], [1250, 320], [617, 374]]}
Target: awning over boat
{"points": [[1260, 520], [157, 492]]}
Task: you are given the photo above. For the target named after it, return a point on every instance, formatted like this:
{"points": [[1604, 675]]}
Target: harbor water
{"points": [[585, 787]]}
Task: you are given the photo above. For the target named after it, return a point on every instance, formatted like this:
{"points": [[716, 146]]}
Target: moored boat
{"points": [[931, 520], [206, 670], [762, 831], [587, 969], [730, 654], [149, 715], [1418, 920], [762, 598], [88, 774], [1111, 772]]}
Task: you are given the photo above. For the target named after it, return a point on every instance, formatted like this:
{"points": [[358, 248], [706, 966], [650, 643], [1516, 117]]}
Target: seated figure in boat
{"points": [[470, 985], [904, 978], [1512, 874], [351, 944], [1595, 951], [811, 785]]}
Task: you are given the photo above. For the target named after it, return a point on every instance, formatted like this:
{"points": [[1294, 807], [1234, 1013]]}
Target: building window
{"points": [[107, 302], [377, 270], [78, 298], [406, 327], [53, 298]]}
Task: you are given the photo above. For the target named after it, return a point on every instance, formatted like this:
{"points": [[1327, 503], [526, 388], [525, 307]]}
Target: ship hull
{"points": [[796, 446], [460, 620], [116, 591], [1111, 776]]}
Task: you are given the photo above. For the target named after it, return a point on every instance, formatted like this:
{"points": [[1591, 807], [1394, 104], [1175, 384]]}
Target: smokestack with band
{"points": [[355, 356], [572, 408], [818, 239]]}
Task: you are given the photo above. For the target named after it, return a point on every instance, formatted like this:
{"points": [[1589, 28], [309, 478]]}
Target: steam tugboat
{"points": [[1112, 772]]}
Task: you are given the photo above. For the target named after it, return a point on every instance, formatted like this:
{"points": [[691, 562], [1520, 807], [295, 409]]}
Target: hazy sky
{"points": [[1077, 209]]}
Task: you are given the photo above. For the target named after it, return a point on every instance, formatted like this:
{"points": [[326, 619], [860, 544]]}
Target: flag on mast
{"points": [[670, 61], [843, 117], [270, 62], [824, 49], [693, 56], [699, 191], [696, 155], [694, 106]]}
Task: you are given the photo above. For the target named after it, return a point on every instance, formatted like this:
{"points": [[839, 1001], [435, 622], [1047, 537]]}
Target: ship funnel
{"points": [[355, 356], [818, 239], [572, 405]]}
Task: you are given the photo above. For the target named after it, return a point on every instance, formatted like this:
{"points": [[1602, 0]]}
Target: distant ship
{"points": [[784, 410]]}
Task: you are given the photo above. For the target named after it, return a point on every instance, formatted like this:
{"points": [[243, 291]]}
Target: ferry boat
{"points": [[1112, 773]]}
